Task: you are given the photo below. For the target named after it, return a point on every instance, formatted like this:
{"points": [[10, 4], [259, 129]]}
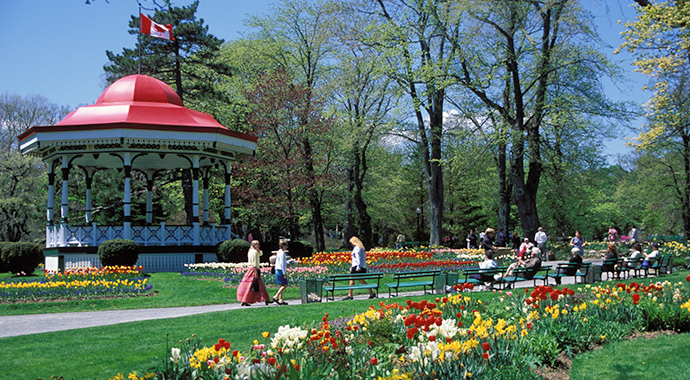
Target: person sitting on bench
{"points": [[651, 257], [488, 263]]}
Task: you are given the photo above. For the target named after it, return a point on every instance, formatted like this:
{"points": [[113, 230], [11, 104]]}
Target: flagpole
{"points": [[139, 40]]}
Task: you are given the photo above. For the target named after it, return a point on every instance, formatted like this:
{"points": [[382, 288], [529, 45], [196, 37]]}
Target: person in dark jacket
{"points": [[472, 239]]}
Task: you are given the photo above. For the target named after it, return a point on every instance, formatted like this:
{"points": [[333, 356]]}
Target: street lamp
{"points": [[419, 224]]}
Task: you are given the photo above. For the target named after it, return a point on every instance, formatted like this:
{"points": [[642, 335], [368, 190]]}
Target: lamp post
{"points": [[419, 224]]}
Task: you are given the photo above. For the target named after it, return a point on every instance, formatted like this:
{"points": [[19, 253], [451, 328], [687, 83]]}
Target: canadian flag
{"points": [[156, 30]]}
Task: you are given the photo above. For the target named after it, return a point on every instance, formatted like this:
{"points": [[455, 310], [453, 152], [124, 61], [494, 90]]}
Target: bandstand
{"points": [[138, 123]]}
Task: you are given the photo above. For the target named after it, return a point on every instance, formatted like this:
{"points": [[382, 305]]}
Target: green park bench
{"points": [[408, 280], [331, 284], [491, 272], [579, 270], [522, 274], [662, 265]]}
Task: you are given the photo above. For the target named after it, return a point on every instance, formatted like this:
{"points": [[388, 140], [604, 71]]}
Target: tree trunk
{"points": [[314, 199], [434, 170], [364, 218], [504, 189], [685, 209], [349, 227]]}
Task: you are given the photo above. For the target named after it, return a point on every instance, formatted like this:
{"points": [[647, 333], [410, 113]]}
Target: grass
{"points": [[103, 352], [665, 357], [171, 290]]}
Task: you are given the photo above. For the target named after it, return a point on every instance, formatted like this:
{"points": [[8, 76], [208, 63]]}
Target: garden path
{"points": [[17, 325]]}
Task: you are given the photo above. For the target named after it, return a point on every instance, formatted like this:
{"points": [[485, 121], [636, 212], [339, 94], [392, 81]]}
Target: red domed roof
{"points": [[139, 101], [139, 88]]}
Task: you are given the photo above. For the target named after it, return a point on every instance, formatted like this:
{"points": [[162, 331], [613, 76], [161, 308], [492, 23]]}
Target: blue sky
{"points": [[56, 48]]}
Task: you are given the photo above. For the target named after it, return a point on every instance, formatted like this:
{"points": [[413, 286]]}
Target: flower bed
{"points": [[81, 283], [450, 337], [321, 265]]}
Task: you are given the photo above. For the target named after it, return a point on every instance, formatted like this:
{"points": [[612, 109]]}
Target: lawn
{"points": [[664, 357], [103, 352]]}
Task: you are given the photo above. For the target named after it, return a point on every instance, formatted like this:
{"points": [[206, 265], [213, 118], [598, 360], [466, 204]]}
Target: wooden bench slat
{"points": [[412, 275], [330, 284]]}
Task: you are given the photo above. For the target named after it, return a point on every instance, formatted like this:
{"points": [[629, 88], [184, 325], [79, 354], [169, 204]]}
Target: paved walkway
{"points": [[17, 325]]}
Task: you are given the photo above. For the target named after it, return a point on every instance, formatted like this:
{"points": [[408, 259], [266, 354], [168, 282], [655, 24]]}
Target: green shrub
{"points": [[118, 252], [3, 244], [21, 258], [233, 251]]}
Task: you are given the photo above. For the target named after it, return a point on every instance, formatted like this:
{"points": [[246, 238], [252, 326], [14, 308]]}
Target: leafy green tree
{"points": [[276, 182], [512, 58], [418, 60], [364, 100], [23, 180], [300, 35], [659, 40]]}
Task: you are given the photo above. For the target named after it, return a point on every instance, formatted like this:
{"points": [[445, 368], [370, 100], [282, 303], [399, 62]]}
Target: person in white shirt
{"points": [[633, 234], [281, 271], [636, 253], [651, 257], [540, 238], [358, 265]]}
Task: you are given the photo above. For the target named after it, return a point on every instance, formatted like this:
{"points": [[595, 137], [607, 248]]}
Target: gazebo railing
{"points": [[153, 235]]}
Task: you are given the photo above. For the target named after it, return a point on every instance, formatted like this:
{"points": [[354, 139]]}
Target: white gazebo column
{"points": [[226, 216], [87, 207], [204, 176], [195, 198], [64, 209], [127, 230], [149, 197], [51, 201]]}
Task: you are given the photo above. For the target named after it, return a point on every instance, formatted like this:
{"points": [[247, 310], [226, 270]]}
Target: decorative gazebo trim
{"points": [[138, 123]]}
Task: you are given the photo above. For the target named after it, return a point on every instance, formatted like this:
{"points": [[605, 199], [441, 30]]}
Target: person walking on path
{"points": [[540, 238], [471, 240], [488, 242], [633, 234], [613, 235], [578, 242], [516, 241], [501, 239], [281, 271], [358, 265], [251, 289]]}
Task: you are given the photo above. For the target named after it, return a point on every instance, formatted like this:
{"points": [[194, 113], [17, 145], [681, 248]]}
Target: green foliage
{"points": [[117, 252], [21, 258], [3, 244], [233, 251]]}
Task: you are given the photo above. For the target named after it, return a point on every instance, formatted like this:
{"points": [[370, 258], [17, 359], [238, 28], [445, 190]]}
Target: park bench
{"points": [[612, 267], [423, 278], [331, 284], [580, 270], [521, 274], [634, 266], [467, 273], [661, 265]]}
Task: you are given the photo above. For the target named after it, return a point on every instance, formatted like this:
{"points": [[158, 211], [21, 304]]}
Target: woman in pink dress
{"points": [[251, 289], [613, 234]]}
